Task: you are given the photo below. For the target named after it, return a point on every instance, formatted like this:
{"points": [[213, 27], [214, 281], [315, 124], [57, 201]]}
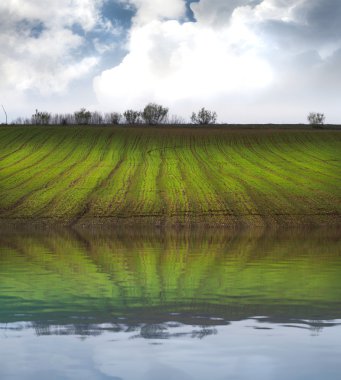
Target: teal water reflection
{"points": [[175, 305]]}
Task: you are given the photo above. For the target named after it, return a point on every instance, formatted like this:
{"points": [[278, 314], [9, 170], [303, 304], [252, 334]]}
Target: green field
{"points": [[170, 175]]}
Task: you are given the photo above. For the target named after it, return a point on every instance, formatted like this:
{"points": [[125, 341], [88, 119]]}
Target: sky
{"points": [[251, 61]]}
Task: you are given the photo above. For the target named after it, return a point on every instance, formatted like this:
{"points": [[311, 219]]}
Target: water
{"points": [[177, 305]]}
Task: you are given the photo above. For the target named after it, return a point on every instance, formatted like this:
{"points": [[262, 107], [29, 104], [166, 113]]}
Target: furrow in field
{"points": [[151, 196], [97, 206], [228, 184], [11, 134], [170, 179], [32, 159], [315, 191], [224, 187], [187, 166], [124, 203], [6, 132], [187, 174], [289, 174], [295, 194], [297, 157], [318, 190], [258, 190], [316, 146], [278, 158], [31, 181], [11, 204], [266, 194], [18, 160], [48, 170], [32, 201], [181, 167], [297, 151], [72, 192], [110, 190], [97, 175], [165, 198], [142, 194], [30, 143], [200, 192], [11, 147], [87, 207]]}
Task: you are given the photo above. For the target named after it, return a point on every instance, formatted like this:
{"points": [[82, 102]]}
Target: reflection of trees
{"points": [[42, 329], [166, 330], [316, 327], [163, 331], [146, 331], [204, 332], [154, 332]]}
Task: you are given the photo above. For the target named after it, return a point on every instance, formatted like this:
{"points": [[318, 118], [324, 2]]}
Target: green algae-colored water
{"points": [[170, 305]]}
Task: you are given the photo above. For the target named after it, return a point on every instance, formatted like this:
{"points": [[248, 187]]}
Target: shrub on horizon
{"points": [[154, 114], [96, 118], [132, 117], [204, 117], [41, 118], [62, 119], [316, 119], [114, 118], [82, 116]]}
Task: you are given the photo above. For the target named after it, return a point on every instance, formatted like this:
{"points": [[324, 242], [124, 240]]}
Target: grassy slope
{"points": [[180, 175]]}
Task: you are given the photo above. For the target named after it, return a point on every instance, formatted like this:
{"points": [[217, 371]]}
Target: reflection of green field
{"points": [[181, 175], [74, 275]]}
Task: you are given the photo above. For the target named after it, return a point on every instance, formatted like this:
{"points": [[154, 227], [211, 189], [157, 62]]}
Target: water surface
{"points": [[170, 305]]}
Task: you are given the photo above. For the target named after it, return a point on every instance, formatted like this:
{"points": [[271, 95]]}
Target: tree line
{"points": [[152, 114]]}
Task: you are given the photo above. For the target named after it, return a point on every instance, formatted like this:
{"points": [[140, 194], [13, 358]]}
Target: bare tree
{"points": [[132, 117], [204, 117], [96, 118], [41, 118], [82, 116], [154, 114], [62, 119], [113, 118], [316, 119]]}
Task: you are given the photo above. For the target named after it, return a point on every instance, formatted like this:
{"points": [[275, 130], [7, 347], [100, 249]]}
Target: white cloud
{"points": [[217, 12], [150, 10], [238, 55], [55, 14], [249, 60], [173, 63], [38, 45]]}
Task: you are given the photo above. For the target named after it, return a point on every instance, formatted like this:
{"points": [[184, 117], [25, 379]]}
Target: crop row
{"points": [[81, 173]]}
